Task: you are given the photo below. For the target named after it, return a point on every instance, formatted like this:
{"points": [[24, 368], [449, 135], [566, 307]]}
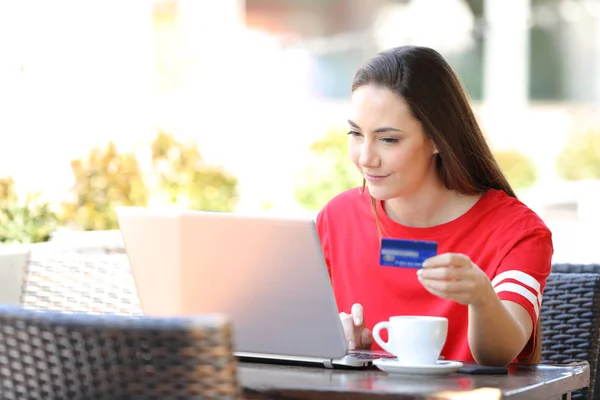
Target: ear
{"points": [[433, 145]]}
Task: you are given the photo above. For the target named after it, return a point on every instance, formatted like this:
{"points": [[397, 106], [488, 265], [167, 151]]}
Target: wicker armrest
{"points": [[571, 322], [576, 268], [53, 355]]}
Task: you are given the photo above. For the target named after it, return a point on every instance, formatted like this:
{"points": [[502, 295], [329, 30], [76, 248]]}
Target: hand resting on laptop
{"points": [[357, 335]]}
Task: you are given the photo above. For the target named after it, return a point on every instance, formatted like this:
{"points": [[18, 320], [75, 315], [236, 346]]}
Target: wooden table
{"points": [[266, 381]]}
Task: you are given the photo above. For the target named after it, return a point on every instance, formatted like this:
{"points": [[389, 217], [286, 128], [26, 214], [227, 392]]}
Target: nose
{"points": [[368, 156]]}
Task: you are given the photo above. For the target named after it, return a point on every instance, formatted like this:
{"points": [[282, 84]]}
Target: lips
{"points": [[374, 178]]}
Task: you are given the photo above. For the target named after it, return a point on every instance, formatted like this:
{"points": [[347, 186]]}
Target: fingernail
{"points": [[358, 320], [419, 274], [425, 264], [351, 345]]}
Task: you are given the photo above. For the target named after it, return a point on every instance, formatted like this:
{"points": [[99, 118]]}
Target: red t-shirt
{"points": [[501, 235]]}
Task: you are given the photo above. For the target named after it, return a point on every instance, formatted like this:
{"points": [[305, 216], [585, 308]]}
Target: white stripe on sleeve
{"points": [[522, 278], [520, 290]]}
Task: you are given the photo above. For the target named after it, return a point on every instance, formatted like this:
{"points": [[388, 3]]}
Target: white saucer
{"points": [[441, 367]]}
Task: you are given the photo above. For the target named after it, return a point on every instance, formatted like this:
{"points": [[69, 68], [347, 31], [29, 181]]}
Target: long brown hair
{"points": [[435, 97]]}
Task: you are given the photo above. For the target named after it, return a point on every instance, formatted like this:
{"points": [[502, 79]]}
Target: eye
{"points": [[354, 133], [390, 140]]}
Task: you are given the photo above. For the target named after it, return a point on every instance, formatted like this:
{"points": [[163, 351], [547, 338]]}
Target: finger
{"points": [[446, 286], [348, 326], [443, 260], [366, 339], [443, 273], [357, 314], [457, 297]]}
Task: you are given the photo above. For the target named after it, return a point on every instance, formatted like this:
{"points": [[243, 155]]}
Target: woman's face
{"points": [[388, 145]]}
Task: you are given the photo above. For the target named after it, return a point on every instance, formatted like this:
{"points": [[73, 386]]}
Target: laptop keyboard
{"points": [[369, 356]]}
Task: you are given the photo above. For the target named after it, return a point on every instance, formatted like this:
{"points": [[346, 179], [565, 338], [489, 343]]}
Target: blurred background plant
{"points": [[529, 82], [580, 158], [329, 171], [103, 181], [188, 180], [520, 171], [107, 178], [29, 221]]}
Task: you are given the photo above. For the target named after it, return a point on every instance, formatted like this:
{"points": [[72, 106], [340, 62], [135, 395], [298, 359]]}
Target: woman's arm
{"points": [[498, 330]]}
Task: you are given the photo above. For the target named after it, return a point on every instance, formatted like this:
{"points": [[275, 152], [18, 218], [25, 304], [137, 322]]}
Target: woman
{"points": [[429, 175]]}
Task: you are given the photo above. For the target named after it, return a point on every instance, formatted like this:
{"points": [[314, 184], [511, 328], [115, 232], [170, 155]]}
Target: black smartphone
{"points": [[477, 369]]}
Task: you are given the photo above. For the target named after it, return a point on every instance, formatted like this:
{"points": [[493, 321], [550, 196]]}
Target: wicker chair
{"points": [[54, 355], [570, 317], [576, 268], [66, 280]]}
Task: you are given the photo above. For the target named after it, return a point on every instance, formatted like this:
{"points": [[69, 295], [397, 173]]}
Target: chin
{"points": [[380, 193]]}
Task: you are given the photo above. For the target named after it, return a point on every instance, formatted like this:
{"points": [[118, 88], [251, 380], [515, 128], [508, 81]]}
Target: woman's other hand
{"points": [[357, 335]]}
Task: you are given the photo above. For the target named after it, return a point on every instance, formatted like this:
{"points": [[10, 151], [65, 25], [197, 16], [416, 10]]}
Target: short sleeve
{"points": [[324, 237], [521, 276]]}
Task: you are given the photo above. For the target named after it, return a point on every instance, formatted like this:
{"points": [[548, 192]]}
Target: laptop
{"points": [[266, 273]]}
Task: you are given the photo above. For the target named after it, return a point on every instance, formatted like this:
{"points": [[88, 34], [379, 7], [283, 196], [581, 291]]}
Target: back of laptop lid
{"points": [[152, 240], [266, 273]]}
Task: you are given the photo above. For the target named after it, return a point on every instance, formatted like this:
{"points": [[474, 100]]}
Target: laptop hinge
{"points": [[328, 363]]}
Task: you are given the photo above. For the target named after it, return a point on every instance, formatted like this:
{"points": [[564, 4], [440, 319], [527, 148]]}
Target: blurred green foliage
{"points": [[330, 171], [580, 158], [519, 170], [188, 179], [28, 221], [103, 180], [8, 193]]}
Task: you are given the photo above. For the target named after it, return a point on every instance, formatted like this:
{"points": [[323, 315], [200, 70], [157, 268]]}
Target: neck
{"points": [[429, 206]]}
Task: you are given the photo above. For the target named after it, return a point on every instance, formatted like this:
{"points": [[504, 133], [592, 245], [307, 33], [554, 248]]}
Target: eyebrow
{"points": [[378, 130]]}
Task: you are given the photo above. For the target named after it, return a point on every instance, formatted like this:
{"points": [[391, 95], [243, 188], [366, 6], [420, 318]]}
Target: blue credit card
{"points": [[406, 253]]}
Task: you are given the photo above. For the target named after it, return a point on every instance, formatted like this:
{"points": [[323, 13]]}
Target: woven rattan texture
{"points": [[577, 268], [571, 322], [95, 282], [54, 355]]}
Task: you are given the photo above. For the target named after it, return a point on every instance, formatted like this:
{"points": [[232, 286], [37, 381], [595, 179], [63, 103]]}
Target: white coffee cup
{"points": [[13, 262], [414, 340]]}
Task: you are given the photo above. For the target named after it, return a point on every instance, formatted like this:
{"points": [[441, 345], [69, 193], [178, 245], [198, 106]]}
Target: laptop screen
{"points": [[267, 274]]}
